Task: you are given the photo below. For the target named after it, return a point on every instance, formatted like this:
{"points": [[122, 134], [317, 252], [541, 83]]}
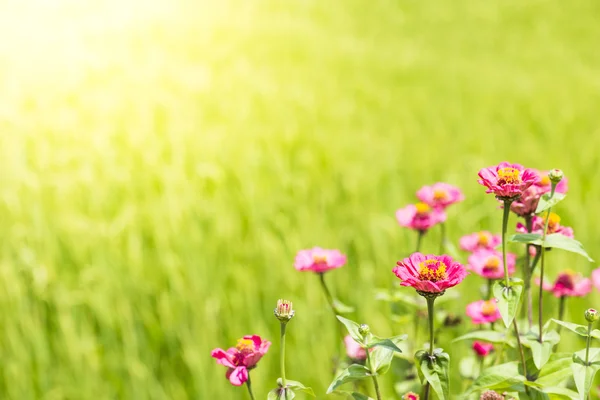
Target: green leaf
{"points": [[541, 351], [352, 373], [281, 394], [435, 371], [547, 201], [386, 343], [341, 307], [352, 395], [296, 386], [508, 298], [555, 372], [583, 375], [352, 328], [557, 392], [381, 359], [488, 336], [274, 394], [531, 238], [559, 241], [578, 329], [500, 376]]}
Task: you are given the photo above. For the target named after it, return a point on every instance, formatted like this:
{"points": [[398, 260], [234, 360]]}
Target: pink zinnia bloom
{"points": [[319, 260], [527, 204], [241, 358], [596, 278], [554, 226], [483, 311], [419, 216], [411, 396], [430, 273], [440, 195], [568, 283], [546, 185], [480, 240], [353, 349], [488, 263], [482, 349], [507, 181]]}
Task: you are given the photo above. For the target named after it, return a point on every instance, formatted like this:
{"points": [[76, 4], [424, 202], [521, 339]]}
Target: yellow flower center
{"points": [[319, 258], [553, 221], [245, 345], [432, 270], [545, 180], [440, 194], [492, 264], [422, 208], [488, 308], [509, 176], [483, 238]]}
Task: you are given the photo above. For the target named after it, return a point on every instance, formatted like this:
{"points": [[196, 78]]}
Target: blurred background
{"points": [[161, 162]]}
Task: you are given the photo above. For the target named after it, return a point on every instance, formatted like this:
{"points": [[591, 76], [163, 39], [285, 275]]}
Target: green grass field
{"points": [[162, 162]]}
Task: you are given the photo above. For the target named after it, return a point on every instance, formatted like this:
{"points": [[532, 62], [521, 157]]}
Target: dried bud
{"points": [[284, 311], [491, 395], [555, 175], [591, 315], [364, 329], [410, 396]]}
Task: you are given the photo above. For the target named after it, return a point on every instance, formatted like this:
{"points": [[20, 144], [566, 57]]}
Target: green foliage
{"points": [[541, 351], [488, 336], [498, 377], [508, 298], [547, 201], [559, 241], [434, 369], [352, 373]]}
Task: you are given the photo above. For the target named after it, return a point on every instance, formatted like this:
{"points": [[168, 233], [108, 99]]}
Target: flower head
{"points": [[430, 273], [527, 204], [591, 315], [284, 310], [506, 180], [482, 349], [483, 311], [554, 225], [319, 260], [440, 195], [419, 216], [480, 240], [241, 358], [353, 349], [568, 283], [410, 396], [488, 263], [490, 395]]}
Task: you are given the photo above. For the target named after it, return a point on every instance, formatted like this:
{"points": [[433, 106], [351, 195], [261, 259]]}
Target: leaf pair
{"points": [[508, 298], [289, 391], [434, 370]]}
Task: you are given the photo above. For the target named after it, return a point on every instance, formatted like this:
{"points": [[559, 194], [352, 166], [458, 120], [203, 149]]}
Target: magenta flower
{"points": [[596, 278], [353, 349], [488, 263], [568, 283], [430, 273], [440, 195], [482, 349], [419, 216], [507, 181], [554, 226], [483, 311], [319, 260], [480, 240], [241, 358], [411, 396]]}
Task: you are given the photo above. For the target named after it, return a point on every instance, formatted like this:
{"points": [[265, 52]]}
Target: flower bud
{"points": [[491, 395], [364, 329], [555, 175], [410, 396], [284, 311], [591, 315]]}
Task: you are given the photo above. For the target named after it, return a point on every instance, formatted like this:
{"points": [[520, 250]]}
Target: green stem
{"points": [[527, 272], [430, 302], [249, 385], [443, 238], [375, 383], [507, 204], [543, 252], [561, 310], [587, 345], [521, 353], [327, 294], [420, 240], [282, 354]]}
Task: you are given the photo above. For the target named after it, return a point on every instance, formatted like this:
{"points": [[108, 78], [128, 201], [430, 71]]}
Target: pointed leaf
{"points": [[352, 373], [547, 201], [274, 394], [508, 298], [435, 371], [555, 372], [381, 359], [281, 394], [342, 308], [297, 387], [531, 238], [541, 351], [385, 343], [488, 336], [578, 329], [583, 376], [352, 328], [559, 241], [560, 393], [500, 376]]}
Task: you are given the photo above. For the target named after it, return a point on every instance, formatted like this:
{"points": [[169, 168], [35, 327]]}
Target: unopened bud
{"points": [[555, 175], [591, 315], [410, 396], [364, 329], [491, 395], [284, 311]]}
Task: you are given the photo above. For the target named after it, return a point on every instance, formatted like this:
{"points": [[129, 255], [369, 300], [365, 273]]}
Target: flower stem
{"points": [[443, 237], [249, 385], [527, 272], [430, 302], [561, 310], [282, 354], [375, 383], [507, 204], [420, 240], [587, 345], [543, 251], [521, 353], [333, 309]]}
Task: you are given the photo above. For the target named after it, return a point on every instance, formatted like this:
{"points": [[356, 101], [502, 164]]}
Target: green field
{"points": [[161, 163]]}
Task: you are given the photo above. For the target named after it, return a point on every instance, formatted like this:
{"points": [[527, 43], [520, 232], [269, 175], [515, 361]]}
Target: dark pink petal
{"points": [[223, 357], [237, 376]]}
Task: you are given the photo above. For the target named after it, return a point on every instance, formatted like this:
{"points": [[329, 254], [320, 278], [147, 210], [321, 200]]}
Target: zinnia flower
{"points": [[353, 349], [568, 283], [596, 278], [440, 195], [507, 181], [482, 349], [546, 185], [491, 395], [319, 260], [410, 396], [554, 226], [527, 204], [430, 273], [480, 240], [419, 216], [241, 358], [483, 311], [488, 263]]}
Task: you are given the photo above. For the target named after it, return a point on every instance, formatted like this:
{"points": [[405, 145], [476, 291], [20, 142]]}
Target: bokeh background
{"points": [[161, 162]]}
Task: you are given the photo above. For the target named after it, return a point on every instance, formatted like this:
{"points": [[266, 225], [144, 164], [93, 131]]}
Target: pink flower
{"points": [[596, 278], [507, 181], [526, 205], [440, 195], [488, 263], [411, 396], [480, 240], [353, 349], [319, 260], [554, 226], [568, 283], [546, 185], [483, 311], [430, 273], [482, 349], [419, 216], [241, 358]]}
